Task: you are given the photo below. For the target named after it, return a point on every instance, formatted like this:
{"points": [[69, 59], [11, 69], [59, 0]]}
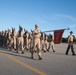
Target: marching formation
{"points": [[35, 41]]}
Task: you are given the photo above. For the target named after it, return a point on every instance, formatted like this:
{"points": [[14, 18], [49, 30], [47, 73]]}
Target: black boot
{"points": [[40, 58], [48, 50], [32, 57], [22, 52], [53, 50]]}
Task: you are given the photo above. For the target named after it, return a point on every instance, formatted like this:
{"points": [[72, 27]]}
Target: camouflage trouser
{"points": [[42, 45], [20, 43], [46, 44], [10, 43], [51, 44], [26, 43], [30, 44], [5, 41], [36, 44], [14, 42]]}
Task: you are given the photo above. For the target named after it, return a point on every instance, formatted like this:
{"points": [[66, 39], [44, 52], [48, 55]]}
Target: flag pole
{"points": [[56, 30]]}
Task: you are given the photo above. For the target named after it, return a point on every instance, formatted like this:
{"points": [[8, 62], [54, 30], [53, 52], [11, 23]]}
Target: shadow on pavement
{"points": [[15, 54]]}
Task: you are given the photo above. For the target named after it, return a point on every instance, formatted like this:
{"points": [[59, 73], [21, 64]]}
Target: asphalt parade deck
{"points": [[12, 63]]}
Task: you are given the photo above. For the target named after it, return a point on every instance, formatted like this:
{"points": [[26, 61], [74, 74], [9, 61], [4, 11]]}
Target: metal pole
{"points": [[56, 30]]}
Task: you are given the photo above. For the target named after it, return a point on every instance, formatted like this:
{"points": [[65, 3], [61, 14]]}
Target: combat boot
{"points": [[44, 51], [48, 50], [53, 50], [40, 58], [73, 54], [22, 52], [32, 57]]}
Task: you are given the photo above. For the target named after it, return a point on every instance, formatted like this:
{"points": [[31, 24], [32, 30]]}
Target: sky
{"points": [[48, 14]]}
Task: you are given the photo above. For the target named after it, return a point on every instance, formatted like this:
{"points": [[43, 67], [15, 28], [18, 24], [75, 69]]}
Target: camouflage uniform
{"points": [[42, 42], [45, 42], [36, 36], [5, 40], [8, 39], [51, 44], [20, 42], [30, 42], [14, 38], [11, 42], [26, 41]]}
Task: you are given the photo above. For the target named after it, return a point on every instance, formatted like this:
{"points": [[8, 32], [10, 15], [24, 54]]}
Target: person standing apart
{"points": [[70, 44]]}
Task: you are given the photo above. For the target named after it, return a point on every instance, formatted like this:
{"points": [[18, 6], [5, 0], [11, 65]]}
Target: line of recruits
{"points": [[34, 43], [26, 41]]}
